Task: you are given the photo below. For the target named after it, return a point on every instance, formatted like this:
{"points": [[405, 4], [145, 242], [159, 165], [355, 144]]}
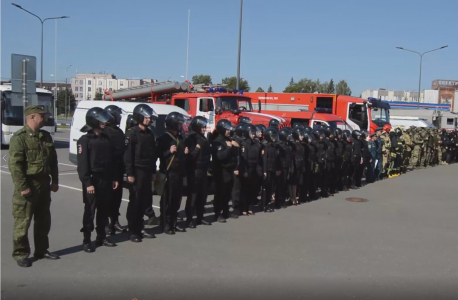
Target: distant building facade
{"points": [[442, 92], [85, 86]]}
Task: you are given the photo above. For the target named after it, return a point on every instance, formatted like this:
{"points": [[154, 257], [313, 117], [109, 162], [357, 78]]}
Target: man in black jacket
{"points": [[140, 161], [347, 165], [172, 151], [95, 160], [271, 167], [224, 156], [198, 163], [285, 156], [367, 157]]}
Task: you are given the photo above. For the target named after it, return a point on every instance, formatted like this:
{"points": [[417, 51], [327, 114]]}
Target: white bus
{"points": [[12, 111]]}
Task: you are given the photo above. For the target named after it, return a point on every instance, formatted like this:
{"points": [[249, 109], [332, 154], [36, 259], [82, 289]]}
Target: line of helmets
{"points": [[112, 115]]}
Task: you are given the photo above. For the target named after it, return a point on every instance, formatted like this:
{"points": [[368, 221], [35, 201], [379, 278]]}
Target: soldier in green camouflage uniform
{"points": [[417, 148], [436, 151], [33, 166]]}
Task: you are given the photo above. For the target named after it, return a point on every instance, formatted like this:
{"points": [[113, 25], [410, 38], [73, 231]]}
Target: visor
{"points": [[147, 112], [202, 123], [104, 117]]}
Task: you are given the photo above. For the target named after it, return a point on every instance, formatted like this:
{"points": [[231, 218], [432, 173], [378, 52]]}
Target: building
{"points": [[442, 92], [85, 86], [50, 86]]}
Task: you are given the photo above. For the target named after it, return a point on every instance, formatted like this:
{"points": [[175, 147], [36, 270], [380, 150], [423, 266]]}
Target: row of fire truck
{"points": [[217, 102]]}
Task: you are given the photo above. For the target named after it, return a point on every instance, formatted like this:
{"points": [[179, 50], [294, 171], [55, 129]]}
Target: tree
{"points": [[342, 88], [331, 88], [201, 79], [65, 97], [98, 96], [231, 83], [259, 90], [270, 90]]}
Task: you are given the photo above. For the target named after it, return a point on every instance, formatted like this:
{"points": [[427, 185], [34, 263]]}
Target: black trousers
{"points": [[236, 188], [171, 199], [224, 182], [358, 173], [197, 194], [268, 189], [338, 174], [346, 175], [139, 199], [249, 192], [331, 176], [281, 188], [116, 199], [97, 206]]}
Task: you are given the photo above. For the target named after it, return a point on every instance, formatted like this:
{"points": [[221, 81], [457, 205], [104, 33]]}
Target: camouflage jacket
{"points": [[386, 142], [32, 154]]}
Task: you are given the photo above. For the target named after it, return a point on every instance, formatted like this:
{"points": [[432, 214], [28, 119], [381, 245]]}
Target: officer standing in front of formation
{"points": [[271, 168], [116, 136], [33, 167], [172, 154], [224, 158], [198, 163], [251, 151], [96, 172], [357, 161], [140, 162]]}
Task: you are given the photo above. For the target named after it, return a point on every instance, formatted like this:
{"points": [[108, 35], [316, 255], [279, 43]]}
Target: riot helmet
{"points": [[94, 117], [285, 134], [274, 123], [116, 112], [198, 123], [249, 131], [174, 121], [244, 120], [356, 134], [143, 111], [223, 126], [298, 134], [271, 135]]}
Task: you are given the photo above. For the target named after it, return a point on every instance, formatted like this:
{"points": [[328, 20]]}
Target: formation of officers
{"points": [[282, 165]]}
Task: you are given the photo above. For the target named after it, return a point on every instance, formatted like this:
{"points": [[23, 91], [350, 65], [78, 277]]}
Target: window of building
{"points": [[81, 82], [121, 83], [89, 82], [450, 121], [76, 89], [111, 83], [89, 89], [100, 82], [131, 84], [81, 95], [99, 90]]}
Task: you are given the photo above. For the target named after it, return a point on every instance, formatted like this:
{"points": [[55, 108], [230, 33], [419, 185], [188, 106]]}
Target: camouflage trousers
{"points": [[386, 161], [426, 157], [35, 206], [415, 156]]}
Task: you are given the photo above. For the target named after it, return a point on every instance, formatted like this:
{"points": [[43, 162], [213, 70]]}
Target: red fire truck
{"points": [[358, 113], [214, 102]]}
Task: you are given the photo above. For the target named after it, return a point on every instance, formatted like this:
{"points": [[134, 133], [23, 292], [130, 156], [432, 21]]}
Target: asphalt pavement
{"points": [[400, 244]]}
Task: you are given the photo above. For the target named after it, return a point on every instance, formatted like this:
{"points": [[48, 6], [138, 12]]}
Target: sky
{"points": [[352, 40]]}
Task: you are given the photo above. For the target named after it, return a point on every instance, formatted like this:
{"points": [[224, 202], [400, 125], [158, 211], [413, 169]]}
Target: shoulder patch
{"points": [[80, 149], [127, 140], [243, 148], [219, 147]]}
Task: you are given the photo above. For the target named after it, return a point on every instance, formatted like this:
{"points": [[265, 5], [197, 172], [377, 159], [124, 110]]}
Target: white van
{"points": [[79, 118], [406, 122]]}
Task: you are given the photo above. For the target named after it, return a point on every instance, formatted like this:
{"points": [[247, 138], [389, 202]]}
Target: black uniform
{"points": [[308, 189], [367, 157], [173, 165], [198, 163], [271, 165], [338, 163], [347, 165], [330, 174], [117, 138], [297, 176], [237, 186], [95, 168], [286, 160], [356, 162], [224, 159], [140, 161], [251, 151], [320, 162]]}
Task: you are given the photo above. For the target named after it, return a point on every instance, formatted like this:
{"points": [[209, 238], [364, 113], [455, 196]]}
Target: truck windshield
{"points": [[340, 124], [231, 103], [380, 116], [13, 109]]}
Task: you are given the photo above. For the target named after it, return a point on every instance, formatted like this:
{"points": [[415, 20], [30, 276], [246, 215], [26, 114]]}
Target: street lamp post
{"points": [[42, 22], [240, 46], [421, 62], [67, 99]]}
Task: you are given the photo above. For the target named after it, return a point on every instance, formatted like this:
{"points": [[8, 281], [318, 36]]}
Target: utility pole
{"points": [[240, 45]]}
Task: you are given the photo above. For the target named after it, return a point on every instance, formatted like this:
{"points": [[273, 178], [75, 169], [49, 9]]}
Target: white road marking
{"points": [[67, 174], [67, 165], [5, 172], [4, 157], [60, 139]]}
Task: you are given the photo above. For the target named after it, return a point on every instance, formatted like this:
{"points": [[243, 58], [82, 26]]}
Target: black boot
{"points": [[104, 242], [87, 245], [118, 227]]}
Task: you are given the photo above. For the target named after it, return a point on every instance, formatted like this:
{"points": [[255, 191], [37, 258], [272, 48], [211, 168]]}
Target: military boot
{"points": [[87, 245]]}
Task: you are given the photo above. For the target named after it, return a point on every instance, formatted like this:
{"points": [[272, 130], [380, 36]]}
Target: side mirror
{"points": [[235, 111], [259, 106], [352, 105], [218, 111]]}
